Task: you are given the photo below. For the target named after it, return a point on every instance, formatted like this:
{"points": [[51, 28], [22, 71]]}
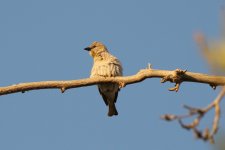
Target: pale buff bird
{"points": [[105, 65]]}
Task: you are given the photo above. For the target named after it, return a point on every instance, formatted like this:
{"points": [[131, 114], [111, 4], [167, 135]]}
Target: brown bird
{"points": [[105, 65]]}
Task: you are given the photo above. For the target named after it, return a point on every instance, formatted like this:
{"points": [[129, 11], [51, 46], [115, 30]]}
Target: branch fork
{"points": [[176, 77]]}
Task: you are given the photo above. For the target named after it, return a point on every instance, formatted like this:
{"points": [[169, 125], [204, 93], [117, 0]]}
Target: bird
{"points": [[105, 65]]}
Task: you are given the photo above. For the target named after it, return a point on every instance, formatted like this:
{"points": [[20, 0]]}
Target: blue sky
{"points": [[44, 40]]}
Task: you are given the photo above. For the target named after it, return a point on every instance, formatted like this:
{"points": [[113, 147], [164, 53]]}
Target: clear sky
{"points": [[44, 40]]}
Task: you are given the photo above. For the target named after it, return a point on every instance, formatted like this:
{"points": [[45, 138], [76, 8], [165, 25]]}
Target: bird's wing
{"points": [[116, 95], [103, 96]]}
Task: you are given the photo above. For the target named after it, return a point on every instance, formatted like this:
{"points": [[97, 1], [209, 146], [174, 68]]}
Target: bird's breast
{"points": [[106, 69]]}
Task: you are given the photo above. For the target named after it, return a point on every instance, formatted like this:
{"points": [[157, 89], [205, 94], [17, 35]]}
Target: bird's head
{"points": [[96, 48]]}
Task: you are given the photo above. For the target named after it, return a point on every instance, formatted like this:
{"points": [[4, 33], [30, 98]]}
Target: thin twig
{"points": [[206, 134]]}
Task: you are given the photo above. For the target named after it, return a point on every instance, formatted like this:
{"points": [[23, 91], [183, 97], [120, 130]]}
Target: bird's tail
{"points": [[112, 110]]}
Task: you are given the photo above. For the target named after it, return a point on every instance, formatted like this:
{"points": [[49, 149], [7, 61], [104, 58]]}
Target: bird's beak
{"points": [[87, 48]]}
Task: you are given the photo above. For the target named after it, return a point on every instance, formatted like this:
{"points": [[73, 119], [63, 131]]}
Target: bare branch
{"points": [[177, 76], [206, 135]]}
